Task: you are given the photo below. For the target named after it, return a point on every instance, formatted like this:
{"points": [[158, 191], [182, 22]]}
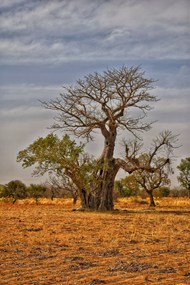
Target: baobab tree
{"points": [[115, 101]]}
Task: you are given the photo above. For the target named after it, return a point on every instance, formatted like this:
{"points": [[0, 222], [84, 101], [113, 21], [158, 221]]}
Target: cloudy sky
{"points": [[45, 44]]}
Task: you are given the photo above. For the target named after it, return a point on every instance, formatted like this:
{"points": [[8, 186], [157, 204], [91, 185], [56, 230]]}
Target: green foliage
{"points": [[163, 191], [2, 190], [59, 157], [15, 190], [50, 153], [184, 175], [2, 187], [127, 187], [36, 191], [131, 185]]}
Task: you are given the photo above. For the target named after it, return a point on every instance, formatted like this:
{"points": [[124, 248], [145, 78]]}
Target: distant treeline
{"points": [[16, 190]]}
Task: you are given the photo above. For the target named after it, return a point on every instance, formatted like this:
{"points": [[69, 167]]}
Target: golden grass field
{"points": [[49, 243]]}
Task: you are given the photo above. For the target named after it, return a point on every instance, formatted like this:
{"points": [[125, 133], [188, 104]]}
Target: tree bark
{"points": [[101, 196], [84, 199], [109, 170], [106, 199], [152, 203], [75, 197]]}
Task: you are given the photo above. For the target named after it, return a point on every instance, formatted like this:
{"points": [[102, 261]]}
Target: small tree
{"points": [[150, 181], [127, 186], [36, 191], [184, 175], [63, 185], [15, 189], [130, 183], [2, 190], [64, 161], [164, 191]]}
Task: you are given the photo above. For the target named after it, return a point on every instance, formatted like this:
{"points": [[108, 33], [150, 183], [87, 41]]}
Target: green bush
{"points": [[124, 191], [15, 190], [36, 191], [162, 192]]}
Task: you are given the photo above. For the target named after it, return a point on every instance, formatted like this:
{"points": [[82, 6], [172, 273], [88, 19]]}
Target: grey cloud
{"points": [[4, 4], [27, 91], [15, 136], [173, 107], [21, 102], [22, 121], [57, 31], [44, 44]]}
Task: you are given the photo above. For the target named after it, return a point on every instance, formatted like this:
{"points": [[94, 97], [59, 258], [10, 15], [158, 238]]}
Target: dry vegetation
{"points": [[50, 244]]}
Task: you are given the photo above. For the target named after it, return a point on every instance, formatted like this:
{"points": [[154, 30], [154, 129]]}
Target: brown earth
{"points": [[51, 244]]}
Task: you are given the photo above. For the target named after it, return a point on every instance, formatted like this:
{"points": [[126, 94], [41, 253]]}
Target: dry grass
{"points": [[50, 244]]}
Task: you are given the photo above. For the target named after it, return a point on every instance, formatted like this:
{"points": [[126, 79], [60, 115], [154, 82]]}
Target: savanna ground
{"points": [[51, 244]]}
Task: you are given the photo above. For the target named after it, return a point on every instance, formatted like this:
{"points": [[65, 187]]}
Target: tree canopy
{"points": [[150, 181], [62, 159], [15, 190], [103, 101], [184, 175], [114, 101]]}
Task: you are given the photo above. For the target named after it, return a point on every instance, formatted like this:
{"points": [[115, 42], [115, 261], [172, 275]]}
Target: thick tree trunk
{"points": [[108, 179], [108, 172], [101, 196], [152, 203], [75, 197], [106, 199], [84, 199]]}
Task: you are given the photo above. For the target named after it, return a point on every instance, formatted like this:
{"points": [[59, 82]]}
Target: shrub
{"points": [[162, 192], [36, 191], [15, 190]]}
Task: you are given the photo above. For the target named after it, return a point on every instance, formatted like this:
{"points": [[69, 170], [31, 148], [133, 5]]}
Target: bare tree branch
{"points": [[102, 100]]}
